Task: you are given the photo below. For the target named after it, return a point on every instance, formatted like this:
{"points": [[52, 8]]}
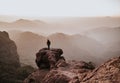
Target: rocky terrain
{"points": [[9, 59], [109, 72], [53, 68], [10, 67]]}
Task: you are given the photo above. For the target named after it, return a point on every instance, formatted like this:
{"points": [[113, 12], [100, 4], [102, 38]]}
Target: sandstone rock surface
{"points": [[108, 72], [72, 71], [53, 68]]}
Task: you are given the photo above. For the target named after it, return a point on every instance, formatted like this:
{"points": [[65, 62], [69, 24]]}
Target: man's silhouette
{"points": [[48, 44]]}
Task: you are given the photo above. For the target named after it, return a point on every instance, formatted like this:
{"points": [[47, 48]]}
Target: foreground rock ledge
{"points": [[108, 72], [54, 69]]}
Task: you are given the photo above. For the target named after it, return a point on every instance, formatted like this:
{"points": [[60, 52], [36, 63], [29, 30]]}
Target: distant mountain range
{"points": [[22, 23], [95, 38], [67, 25], [95, 46]]}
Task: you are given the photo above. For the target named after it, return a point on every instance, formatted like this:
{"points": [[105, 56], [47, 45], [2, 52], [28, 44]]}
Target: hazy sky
{"points": [[38, 8]]}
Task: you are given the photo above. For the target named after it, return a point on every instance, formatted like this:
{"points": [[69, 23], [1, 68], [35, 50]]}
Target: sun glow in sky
{"points": [[44, 8]]}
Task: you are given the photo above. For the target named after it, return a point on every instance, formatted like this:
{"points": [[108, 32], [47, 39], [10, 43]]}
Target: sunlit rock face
{"points": [[109, 72], [9, 59]]}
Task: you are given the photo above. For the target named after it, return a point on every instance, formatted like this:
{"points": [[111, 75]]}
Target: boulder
{"points": [[47, 59]]}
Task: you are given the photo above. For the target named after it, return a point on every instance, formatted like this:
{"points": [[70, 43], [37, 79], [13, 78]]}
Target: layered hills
{"points": [[97, 45], [76, 25], [67, 69]]}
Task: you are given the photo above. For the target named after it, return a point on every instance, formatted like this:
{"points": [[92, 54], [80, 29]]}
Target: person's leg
{"points": [[48, 47]]}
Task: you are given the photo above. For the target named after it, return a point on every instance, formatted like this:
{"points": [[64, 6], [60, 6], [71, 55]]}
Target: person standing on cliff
{"points": [[48, 44]]}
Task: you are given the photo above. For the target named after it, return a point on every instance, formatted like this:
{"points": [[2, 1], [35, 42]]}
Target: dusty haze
{"points": [[93, 39]]}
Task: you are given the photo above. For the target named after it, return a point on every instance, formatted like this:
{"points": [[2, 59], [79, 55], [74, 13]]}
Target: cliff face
{"points": [[72, 71], [9, 59]]}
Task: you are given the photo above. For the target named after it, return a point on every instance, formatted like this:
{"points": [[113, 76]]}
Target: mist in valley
{"points": [[91, 39]]}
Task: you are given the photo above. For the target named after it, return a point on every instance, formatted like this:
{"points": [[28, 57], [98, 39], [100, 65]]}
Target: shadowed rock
{"points": [[9, 59], [46, 59], [37, 76]]}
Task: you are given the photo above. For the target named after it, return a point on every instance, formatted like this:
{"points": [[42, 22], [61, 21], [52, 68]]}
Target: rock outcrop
{"points": [[53, 68], [46, 61], [48, 58], [72, 71], [108, 72], [9, 59]]}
